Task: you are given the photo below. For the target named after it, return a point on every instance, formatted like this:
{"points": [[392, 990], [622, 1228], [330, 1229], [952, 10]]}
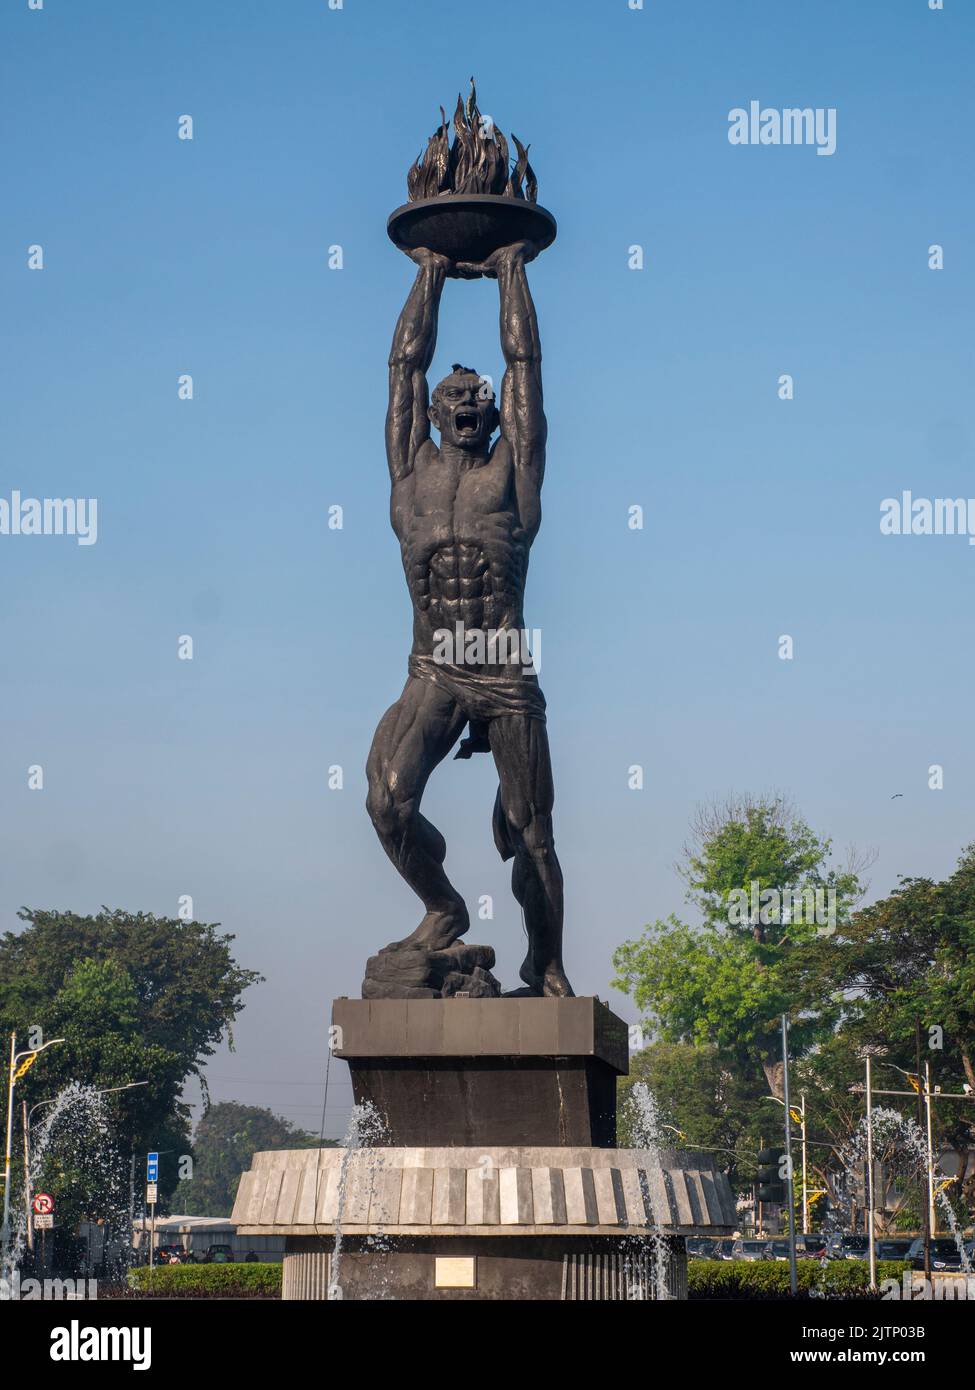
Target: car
{"points": [[944, 1254], [779, 1249], [848, 1247], [219, 1255], [724, 1248], [894, 1248], [751, 1250], [700, 1248], [810, 1247]]}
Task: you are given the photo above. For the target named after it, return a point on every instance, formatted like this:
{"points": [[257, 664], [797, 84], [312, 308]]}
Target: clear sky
{"points": [[164, 257]]}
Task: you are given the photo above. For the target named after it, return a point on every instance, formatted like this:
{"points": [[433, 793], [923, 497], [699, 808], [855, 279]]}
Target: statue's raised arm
{"points": [[414, 341], [523, 423]]}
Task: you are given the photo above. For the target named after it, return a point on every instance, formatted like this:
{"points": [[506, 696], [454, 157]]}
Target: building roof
{"points": [[188, 1223]]}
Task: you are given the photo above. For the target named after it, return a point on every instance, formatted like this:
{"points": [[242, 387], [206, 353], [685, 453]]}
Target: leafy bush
{"points": [[768, 1279], [207, 1281]]}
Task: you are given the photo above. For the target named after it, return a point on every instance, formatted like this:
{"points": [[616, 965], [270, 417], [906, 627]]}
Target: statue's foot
{"points": [[436, 932], [555, 984], [543, 980]]}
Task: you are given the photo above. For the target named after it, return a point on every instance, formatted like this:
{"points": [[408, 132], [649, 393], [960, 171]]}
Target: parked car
{"points": [[724, 1248], [894, 1248], [840, 1247], [700, 1248], [810, 1247], [944, 1254], [752, 1250], [219, 1255], [779, 1249]]}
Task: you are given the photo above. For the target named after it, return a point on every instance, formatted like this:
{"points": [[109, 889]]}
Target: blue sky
{"points": [[660, 646]]}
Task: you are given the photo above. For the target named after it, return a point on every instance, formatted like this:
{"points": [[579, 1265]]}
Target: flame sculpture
{"points": [[477, 162]]}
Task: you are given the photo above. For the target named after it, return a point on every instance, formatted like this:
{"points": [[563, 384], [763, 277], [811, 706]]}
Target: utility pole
{"points": [[10, 1121], [758, 1200], [920, 1122], [27, 1191], [131, 1251], [932, 1214], [805, 1204], [793, 1278], [871, 1245]]}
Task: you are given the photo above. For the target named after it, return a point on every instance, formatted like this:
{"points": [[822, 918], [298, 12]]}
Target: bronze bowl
{"points": [[469, 226]]}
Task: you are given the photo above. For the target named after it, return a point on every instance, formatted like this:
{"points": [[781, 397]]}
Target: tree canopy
{"points": [[136, 998], [888, 977], [761, 881]]}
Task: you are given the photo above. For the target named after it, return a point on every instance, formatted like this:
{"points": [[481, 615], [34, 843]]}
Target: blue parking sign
{"points": [[152, 1167]]}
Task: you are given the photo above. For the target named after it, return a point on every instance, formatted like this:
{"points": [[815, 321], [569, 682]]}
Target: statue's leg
{"points": [[523, 827], [414, 735]]}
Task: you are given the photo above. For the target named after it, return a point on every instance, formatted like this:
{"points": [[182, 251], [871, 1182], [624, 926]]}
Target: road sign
{"points": [[152, 1194], [152, 1167], [43, 1223], [43, 1204]]}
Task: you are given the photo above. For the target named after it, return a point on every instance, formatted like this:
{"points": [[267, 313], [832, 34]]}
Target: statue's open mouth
{"points": [[465, 422]]}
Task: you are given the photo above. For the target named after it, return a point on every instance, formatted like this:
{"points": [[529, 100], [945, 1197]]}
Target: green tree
{"points": [[761, 881], [137, 998], [905, 960], [227, 1137]]}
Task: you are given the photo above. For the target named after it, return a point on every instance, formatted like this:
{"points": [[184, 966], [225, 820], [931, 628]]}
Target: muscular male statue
{"points": [[466, 514]]}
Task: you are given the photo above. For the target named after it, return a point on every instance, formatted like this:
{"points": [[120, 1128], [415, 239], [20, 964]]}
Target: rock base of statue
{"points": [[411, 972], [498, 1175]]}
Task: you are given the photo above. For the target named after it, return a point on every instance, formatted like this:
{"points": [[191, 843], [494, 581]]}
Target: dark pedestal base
{"points": [[486, 1071], [487, 1100]]}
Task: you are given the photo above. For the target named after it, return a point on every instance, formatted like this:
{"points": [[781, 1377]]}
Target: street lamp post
{"points": [[923, 1091], [805, 1184], [793, 1278], [20, 1062], [932, 1214], [923, 1094], [871, 1245]]}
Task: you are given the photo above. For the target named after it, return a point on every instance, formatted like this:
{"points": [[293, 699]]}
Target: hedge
{"points": [[706, 1279], [261, 1280], [743, 1279]]}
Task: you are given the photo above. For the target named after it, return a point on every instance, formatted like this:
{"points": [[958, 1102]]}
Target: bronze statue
{"points": [[465, 513]]}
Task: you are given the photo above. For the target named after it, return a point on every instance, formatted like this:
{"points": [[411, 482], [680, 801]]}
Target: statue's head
{"points": [[462, 408]]}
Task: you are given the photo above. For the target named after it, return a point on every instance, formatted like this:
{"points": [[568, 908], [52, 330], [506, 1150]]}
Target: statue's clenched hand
{"points": [[423, 256], [523, 251]]}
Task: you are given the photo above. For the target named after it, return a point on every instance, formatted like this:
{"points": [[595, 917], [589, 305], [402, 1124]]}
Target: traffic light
{"points": [[771, 1167]]}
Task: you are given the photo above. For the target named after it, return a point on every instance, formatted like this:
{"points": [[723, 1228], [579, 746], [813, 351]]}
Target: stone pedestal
{"points": [[485, 1071], [499, 1177]]}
